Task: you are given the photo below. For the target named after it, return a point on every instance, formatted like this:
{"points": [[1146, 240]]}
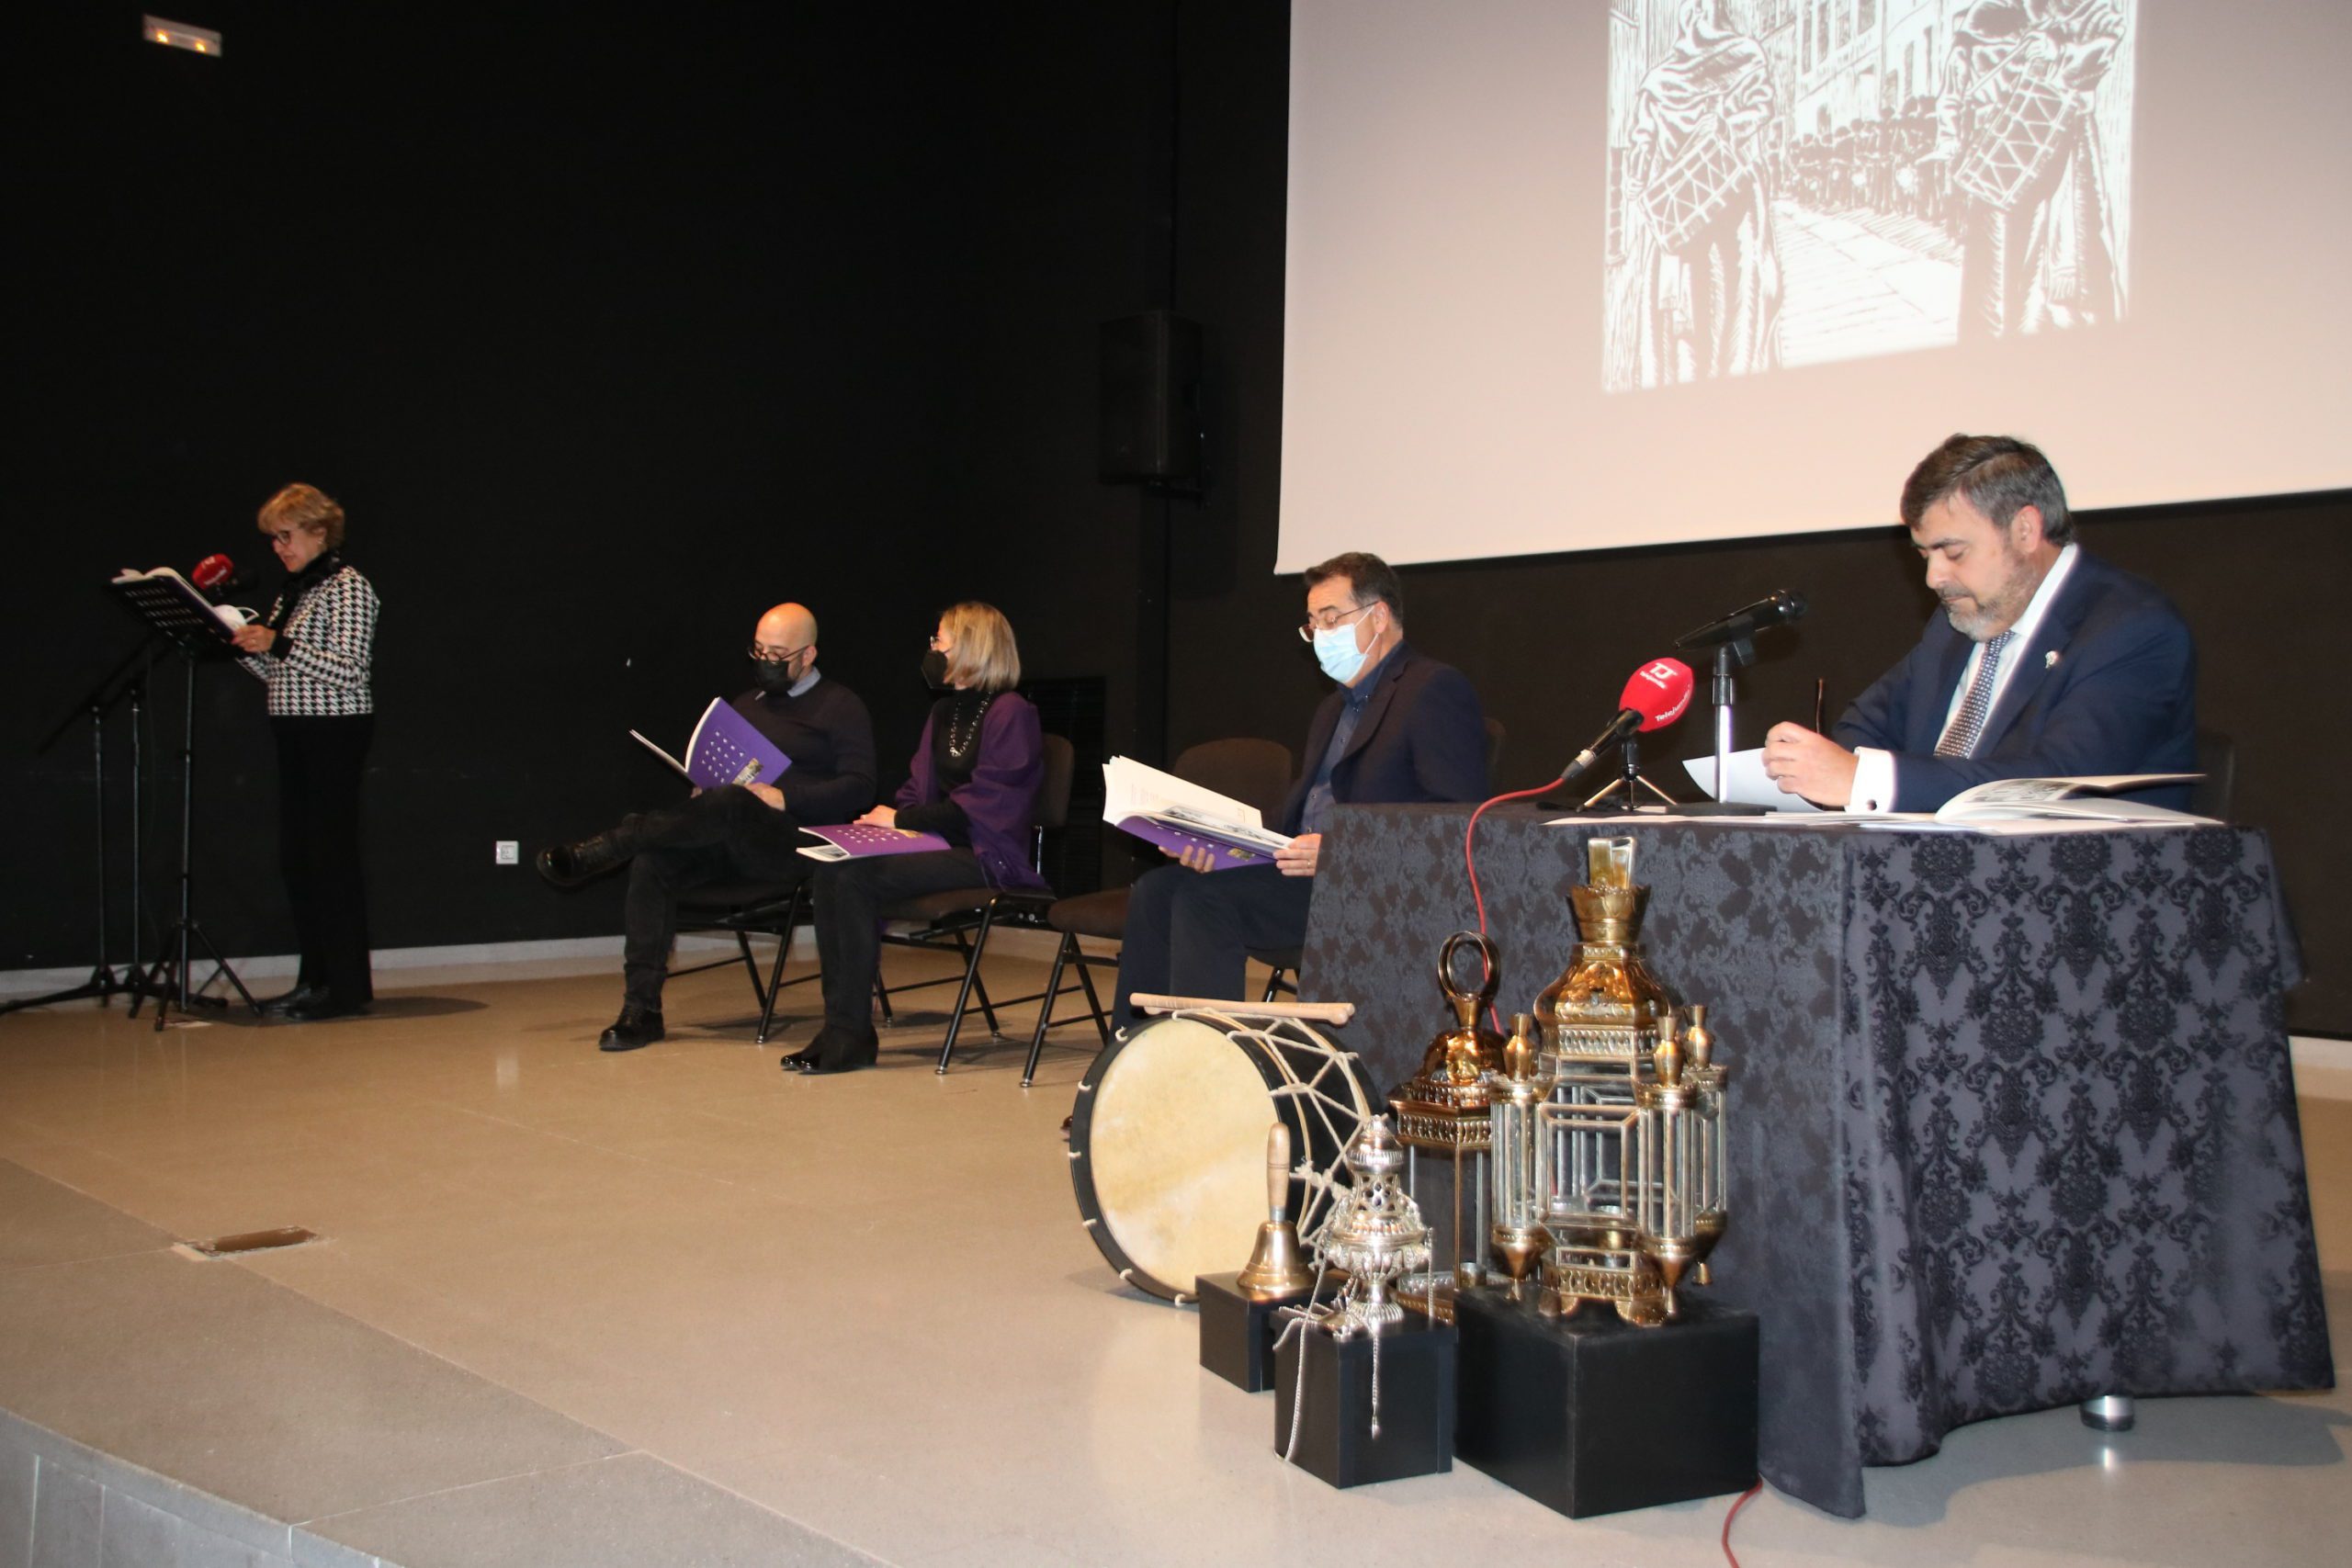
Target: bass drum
{"points": [[1168, 1140]]}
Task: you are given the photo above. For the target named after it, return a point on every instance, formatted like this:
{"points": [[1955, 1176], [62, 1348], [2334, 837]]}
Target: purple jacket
{"points": [[1000, 799]]}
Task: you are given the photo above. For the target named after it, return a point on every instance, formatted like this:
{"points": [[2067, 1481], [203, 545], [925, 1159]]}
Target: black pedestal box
{"points": [[1588, 1414], [1416, 1403], [1237, 1334]]}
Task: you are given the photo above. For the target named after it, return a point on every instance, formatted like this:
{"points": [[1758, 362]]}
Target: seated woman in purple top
{"points": [[974, 782]]}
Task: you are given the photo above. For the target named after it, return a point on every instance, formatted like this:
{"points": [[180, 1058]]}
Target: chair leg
{"points": [[1094, 1002], [1274, 986], [963, 993], [1046, 1009], [980, 987], [775, 984], [882, 997], [743, 943]]}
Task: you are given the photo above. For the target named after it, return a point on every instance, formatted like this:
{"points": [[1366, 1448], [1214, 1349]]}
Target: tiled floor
{"points": [[674, 1306]]}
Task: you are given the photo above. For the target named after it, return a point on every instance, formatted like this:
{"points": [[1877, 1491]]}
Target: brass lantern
{"points": [[1518, 1240], [1443, 1110], [1681, 1190], [1628, 1168]]}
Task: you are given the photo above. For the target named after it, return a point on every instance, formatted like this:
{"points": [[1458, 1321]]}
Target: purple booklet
{"points": [[1163, 834], [725, 749], [855, 840]]}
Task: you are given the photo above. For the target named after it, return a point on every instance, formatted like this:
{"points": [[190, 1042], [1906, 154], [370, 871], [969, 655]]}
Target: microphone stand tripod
{"points": [[1632, 783], [105, 982]]}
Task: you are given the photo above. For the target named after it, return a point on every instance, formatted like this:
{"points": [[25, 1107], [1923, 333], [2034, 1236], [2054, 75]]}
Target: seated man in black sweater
{"points": [[740, 832]]}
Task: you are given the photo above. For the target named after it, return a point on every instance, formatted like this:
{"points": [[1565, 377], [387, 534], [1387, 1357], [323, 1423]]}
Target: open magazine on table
{"points": [[2084, 798]]}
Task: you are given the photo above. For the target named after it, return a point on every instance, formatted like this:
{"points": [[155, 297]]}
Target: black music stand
{"points": [[185, 618]]}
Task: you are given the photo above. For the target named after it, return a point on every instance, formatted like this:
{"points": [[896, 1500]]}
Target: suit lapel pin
{"points": [[2050, 660]]}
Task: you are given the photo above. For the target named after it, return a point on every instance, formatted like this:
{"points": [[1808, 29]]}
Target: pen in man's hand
{"points": [[1820, 691]]}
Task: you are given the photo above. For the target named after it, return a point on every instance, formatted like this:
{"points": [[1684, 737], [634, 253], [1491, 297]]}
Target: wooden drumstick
{"points": [[1278, 1171], [1310, 1012]]}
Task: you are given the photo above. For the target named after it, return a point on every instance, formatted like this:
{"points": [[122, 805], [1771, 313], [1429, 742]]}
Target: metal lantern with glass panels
{"points": [[1517, 1241], [1626, 1178], [1442, 1109]]}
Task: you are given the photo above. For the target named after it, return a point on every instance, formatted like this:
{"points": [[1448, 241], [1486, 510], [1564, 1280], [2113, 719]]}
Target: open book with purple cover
{"points": [[1175, 815], [725, 749], [855, 840]]}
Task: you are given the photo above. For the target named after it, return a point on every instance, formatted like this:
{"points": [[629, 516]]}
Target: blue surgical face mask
{"points": [[1335, 651]]}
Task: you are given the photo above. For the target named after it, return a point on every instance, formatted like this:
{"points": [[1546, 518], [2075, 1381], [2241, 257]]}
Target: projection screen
{"points": [[1577, 273]]}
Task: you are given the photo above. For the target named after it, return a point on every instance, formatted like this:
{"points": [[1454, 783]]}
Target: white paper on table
{"points": [[1749, 783]]}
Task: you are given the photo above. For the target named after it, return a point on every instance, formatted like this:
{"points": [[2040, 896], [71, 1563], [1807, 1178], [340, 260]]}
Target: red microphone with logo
{"points": [[216, 574], [1655, 696]]}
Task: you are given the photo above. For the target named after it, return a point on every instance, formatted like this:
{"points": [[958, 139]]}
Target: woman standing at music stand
{"points": [[314, 651]]}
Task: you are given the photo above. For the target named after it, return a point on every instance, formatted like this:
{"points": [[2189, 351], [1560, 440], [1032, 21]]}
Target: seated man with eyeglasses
{"points": [[1401, 727], [740, 832]]}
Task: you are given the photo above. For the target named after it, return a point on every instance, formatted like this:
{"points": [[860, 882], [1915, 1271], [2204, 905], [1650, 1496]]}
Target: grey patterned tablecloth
{"points": [[2012, 1123]]}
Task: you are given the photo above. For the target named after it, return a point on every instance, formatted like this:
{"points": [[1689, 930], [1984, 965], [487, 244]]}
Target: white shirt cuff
{"points": [[1873, 780]]}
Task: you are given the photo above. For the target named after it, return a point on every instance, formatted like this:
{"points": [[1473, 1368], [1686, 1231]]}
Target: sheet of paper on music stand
{"points": [[1750, 785]]}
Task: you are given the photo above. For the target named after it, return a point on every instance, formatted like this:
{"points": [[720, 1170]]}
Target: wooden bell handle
{"points": [[1278, 1170]]}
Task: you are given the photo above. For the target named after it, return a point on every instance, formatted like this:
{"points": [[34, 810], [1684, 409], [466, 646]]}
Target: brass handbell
{"points": [[1277, 1269]]}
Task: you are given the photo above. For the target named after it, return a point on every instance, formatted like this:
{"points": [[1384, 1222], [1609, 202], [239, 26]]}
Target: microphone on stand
{"points": [[1655, 696], [1773, 610], [216, 577], [216, 574], [1732, 637]]}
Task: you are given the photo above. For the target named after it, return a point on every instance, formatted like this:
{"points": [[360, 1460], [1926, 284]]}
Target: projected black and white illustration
{"points": [[1792, 182]]}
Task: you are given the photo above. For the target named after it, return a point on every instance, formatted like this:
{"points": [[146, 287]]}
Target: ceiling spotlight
{"points": [[179, 35]]}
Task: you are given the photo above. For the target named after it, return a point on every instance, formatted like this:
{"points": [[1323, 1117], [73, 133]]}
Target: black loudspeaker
{"points": [[1151, 401]]}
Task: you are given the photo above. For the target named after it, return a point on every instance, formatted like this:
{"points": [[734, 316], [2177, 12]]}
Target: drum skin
{"points": [[1168, 1155]]}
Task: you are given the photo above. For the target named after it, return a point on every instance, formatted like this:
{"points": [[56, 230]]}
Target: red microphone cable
{"points": [[1470, 862], [1745, 1497]]}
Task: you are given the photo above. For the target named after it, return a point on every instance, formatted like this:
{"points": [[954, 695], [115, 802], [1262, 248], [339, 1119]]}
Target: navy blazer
{"points": [[2108, 685], [1422, 738]]}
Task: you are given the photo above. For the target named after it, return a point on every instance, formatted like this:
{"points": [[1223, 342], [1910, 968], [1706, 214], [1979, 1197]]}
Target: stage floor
{"points": [[674, 1307]]}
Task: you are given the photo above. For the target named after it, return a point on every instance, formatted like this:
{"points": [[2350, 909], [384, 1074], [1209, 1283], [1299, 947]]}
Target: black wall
{"points": [[609, 338]]}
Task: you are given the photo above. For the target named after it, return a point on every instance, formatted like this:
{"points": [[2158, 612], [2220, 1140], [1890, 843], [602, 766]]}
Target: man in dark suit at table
{"points": [[1401, 727], [2046, 662]]}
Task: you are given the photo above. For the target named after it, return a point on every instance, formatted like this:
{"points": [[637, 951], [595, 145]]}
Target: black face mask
{"points": [[934, 669], [774, 675]]}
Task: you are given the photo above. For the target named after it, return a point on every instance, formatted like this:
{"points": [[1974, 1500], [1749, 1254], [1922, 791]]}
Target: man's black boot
{"points": [[636, 1027], [569, 865]]}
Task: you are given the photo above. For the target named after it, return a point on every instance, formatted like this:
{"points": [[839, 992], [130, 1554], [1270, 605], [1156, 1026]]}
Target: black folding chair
{"points": [[962, 917], [749, 909]]}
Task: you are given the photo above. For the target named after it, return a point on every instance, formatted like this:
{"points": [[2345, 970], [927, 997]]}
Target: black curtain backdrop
{"points": [[609, 338]]}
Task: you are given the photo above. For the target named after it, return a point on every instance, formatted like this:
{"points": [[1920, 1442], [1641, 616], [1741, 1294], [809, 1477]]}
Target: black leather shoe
{"points": [[635, 1028], [285, 1002], [318, 1007], [569, 865], [834, 1051]]}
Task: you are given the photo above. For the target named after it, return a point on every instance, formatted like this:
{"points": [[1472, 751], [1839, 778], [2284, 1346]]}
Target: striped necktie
{"points": [[1960, 739]]}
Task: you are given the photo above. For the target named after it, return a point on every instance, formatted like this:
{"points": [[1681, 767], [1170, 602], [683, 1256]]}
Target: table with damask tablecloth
{"points": [[2012, 1119]]}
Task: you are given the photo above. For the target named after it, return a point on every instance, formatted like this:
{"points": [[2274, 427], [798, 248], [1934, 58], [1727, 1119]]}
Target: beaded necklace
{"points": [[962, 729]]}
